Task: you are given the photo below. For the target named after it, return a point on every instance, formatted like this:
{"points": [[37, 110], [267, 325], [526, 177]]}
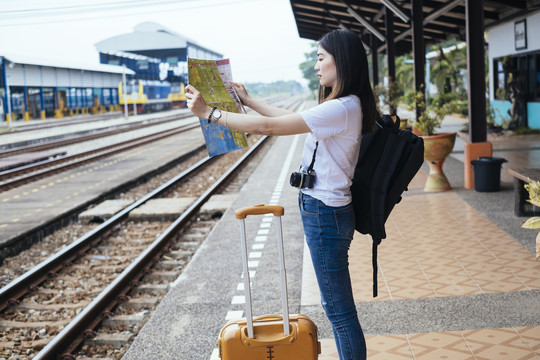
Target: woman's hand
{"points": [[196, 103], [241, 92]]}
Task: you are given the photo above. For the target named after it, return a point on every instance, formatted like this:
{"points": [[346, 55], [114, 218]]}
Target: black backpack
{"points": [[389, 159]]}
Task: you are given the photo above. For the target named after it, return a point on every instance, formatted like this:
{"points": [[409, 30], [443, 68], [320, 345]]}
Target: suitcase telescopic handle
{"points": [[259, 210], [241, 215]]}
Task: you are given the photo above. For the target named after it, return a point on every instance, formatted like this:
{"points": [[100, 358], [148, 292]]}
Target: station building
{"points": [[31, 88], [152, 56], [514, 68], [158, 56], [153, 51]]}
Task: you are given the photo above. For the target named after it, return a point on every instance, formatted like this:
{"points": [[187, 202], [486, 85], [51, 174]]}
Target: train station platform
{"points": [[457, 275]]}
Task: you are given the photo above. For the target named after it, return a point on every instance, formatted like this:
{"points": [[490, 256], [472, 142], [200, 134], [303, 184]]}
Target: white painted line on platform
{"points": [[263, 232], [238, 299], [257, 246], [251, 274], [254, 263], [234, 314], [261, 238], [215, 354], [255, 254]]}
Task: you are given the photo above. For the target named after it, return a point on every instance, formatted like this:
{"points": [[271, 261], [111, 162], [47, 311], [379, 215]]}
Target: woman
{"points": [[346, 110]]}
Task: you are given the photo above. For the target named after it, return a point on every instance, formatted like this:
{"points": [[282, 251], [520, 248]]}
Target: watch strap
{"points": [[210, 115]]}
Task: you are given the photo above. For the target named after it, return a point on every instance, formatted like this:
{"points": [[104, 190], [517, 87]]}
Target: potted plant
{"points": [[534, 223], [437, 146], [390, 99]]}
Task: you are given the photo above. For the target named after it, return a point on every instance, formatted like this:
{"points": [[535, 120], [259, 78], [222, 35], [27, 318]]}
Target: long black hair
{"points": [[352, 73]]}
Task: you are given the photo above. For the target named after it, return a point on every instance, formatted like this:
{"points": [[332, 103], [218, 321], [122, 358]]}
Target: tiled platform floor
{"points": [[437, 245], [484, 344]]}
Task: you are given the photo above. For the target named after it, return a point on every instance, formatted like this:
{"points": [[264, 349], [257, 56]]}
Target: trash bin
{"points": [[487, 173]]}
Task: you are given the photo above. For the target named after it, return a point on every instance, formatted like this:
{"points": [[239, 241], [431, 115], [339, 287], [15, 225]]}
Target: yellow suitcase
{"points": [[266, 337]]}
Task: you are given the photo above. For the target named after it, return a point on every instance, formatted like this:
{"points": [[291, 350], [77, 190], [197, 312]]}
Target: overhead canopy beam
{"points": [[396, 9], [366, 23], [518, 4], [443, 19], [429, 18]]}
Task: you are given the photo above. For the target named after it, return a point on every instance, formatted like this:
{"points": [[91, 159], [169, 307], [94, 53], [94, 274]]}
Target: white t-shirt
{"points": [[337, 126]]}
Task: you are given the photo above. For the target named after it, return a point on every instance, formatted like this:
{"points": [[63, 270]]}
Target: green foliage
{"points": [[533, 189], [526, 131], [431, 117], [446, 71], [390, 95], [404, 75], [307, 68]]}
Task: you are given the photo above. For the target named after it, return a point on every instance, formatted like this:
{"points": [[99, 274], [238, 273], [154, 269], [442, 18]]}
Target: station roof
{"points": [[149, 39], [443, 19], [55, 63]]}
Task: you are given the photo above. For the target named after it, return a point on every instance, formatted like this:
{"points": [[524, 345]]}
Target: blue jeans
{"points": [[329, 231]]}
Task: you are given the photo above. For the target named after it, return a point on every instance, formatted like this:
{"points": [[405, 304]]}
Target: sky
{"points": [[258, 36]]}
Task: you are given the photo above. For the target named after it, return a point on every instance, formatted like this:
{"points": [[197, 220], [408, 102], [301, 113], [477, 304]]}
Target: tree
{"points": [[446, 72], [404, 75], [307, 68]]}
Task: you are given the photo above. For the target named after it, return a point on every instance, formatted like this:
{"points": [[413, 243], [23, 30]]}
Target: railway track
{"points": [[128, 284], [24, 174], [90, 135], [62, 122]]}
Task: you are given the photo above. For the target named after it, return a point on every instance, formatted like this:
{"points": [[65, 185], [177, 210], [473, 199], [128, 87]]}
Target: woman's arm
{"points": [[259, 106], [288, 124]]}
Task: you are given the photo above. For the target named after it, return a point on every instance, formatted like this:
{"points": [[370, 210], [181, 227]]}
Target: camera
{"points": [[302, 179]]}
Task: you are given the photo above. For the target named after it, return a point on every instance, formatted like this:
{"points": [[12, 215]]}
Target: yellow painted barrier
{"points": [[42, 114], [26, 116]]}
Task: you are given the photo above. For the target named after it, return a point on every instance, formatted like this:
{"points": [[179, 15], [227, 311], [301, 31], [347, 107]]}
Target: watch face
{"points": [[217, 114]]}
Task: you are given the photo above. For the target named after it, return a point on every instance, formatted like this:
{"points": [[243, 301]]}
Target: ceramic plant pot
{"points": [[436, 148]]}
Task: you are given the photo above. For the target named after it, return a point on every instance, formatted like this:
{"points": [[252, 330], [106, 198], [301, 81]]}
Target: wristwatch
{"points": [[216, 115]]}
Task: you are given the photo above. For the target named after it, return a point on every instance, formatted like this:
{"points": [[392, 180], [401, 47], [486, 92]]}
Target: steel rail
{"points": [[88, 156], [61, 122], [75, 139], [77, 326]]}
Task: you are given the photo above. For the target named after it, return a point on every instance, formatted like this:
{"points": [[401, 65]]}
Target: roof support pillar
{"points": [[7, 96], [374, 60], [474, 27], [390, 52], [42, 103], [419, 53]]}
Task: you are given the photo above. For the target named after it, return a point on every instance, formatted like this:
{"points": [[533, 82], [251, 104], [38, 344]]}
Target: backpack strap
{"points": [[374, 248]]}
